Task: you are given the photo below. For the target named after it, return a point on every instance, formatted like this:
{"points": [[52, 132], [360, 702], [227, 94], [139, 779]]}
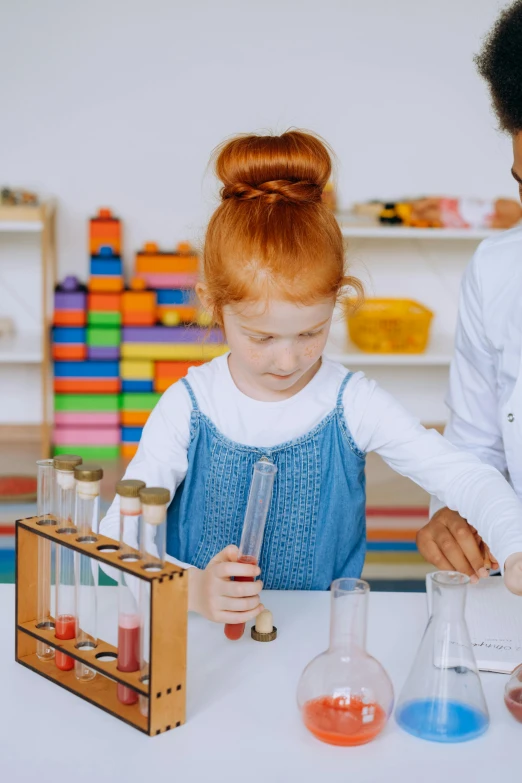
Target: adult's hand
{"points": [[452, 544]]}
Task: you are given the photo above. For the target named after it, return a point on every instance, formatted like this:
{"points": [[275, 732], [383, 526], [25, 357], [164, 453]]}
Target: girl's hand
{"points": [[214, 595], [451, 544], [513, 573]]}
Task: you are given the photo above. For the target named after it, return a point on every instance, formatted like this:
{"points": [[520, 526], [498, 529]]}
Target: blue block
{"points": [[137, 386], [175, 296], [131, 434], [69, 334], [110, 267], [86, 369], [105, 251]]}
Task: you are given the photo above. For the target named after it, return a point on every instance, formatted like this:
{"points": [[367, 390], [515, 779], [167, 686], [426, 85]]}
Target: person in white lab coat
{"points": [[485, 389]]}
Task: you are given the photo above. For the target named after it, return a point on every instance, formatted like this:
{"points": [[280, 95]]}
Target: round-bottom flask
{"points": [[345, 695]]}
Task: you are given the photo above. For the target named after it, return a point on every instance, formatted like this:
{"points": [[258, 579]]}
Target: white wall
{"points": [[120, 102]]}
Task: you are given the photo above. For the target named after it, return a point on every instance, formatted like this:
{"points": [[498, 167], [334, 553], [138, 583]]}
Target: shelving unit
{"points": [[27, 281], [416, 263]]}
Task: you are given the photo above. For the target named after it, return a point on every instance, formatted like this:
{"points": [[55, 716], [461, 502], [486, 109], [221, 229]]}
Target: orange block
{"points": [[186, 313], [174, 370], [104, 229], [103, 302], [138, 318], [128, 450], [106, 283], [165, 263], [69, 318], [64, 351], [138, 300], [87, 385], [134, 418]]}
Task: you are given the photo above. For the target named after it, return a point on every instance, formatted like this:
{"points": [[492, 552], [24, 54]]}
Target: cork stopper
{"points": [[88, 472], [67, 462], [129, 488], [264, 629], [154, 496]]}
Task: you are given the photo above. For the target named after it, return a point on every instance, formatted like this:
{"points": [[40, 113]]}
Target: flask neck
{"points": [[349, 605], [449, 591]]}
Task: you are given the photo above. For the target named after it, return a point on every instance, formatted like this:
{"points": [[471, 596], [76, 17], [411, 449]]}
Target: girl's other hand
{"points": [[513, 573], [213, 594], [452, 544]]}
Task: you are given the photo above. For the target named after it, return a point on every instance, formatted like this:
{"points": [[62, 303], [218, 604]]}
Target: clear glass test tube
{"points": [[128, 587], [258, 505], [88, 478], [64, 498], [153, 538], [45, 478]]}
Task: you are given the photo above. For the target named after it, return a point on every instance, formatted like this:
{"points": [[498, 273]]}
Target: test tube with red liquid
{"points": [[64, 500], [254, 527], [88, 478], [45, 480], [153, 539], [128, 587]]}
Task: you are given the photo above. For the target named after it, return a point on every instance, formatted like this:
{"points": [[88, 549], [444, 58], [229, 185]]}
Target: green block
{"points": [[80, 403], [102, 318], [144, 401], [103, 336], [89, 452]]}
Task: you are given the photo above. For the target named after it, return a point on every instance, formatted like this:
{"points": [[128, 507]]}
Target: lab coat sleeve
{"points": [[473, 423], [479, 493]]}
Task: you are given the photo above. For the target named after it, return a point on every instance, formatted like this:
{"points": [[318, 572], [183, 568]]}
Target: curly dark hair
{"points": [[500, 64]]}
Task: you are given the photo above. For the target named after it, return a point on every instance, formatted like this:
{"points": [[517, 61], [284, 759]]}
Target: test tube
{"points": [[254, 527], [88, 479], [153, 538], [64, 497], [128, 588], [44, 511]]}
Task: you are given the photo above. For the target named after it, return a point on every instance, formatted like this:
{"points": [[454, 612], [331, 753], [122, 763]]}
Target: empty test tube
{"points": [[153, 537], [86, 516], [128, 587], [44, 511]]}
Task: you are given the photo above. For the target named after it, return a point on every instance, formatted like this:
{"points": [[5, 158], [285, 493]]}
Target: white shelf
{"points": [[339, 348], [375, 231], [20, 226], [23, 348]]}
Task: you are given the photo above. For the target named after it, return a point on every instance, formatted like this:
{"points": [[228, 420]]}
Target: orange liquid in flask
{"points": [[343, 721]]}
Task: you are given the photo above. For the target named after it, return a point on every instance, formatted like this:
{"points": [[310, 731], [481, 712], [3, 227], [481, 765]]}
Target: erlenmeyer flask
{"points": [[344, 694], [442, 699], [513, 693]]}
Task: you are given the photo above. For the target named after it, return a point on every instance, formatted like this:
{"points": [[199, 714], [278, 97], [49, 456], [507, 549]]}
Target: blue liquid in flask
{"points": [[441, 720]]}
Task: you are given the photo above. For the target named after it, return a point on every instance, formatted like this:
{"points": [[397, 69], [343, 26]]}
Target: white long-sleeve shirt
{"points": [[376, 421], [485, 389]]}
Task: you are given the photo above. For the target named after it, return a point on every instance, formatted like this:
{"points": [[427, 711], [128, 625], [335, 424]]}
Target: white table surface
{"points": [[242, 718]]}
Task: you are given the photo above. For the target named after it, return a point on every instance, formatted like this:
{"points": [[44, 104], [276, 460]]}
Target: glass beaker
{"points": [[345, 696], [442, 699], [513, 694]]}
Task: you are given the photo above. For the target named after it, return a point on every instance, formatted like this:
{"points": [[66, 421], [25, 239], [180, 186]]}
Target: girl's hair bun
{"points": [[293, 167]]}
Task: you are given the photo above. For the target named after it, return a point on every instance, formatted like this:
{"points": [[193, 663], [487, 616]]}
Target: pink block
{"points": [[85, 436], [180, 280], [87, 419]]}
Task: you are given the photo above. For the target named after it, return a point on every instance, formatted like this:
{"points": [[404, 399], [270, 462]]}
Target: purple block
{"points": [[70, 283], [170, 334], [63, 300], [109, 352]]}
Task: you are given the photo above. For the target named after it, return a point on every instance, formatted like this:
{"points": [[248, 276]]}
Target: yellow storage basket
{"points": [[390, 326]]}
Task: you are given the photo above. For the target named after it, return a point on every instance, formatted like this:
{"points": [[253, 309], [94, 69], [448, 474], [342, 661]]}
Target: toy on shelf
{"points": [[167, 373], [167, 269], [10, 197], [69, 342], [139, 305], [105, 231], [137, 375], [70, 303], [390, 326], [106, 271]]}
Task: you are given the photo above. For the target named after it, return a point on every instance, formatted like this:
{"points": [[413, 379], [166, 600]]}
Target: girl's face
{"points": [[276, 347]]}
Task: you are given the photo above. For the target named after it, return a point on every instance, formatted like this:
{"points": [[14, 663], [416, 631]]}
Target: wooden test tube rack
{"points": [[168, 633]]}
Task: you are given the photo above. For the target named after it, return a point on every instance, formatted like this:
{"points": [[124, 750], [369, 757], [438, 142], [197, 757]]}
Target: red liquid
{"points": [[128, 656], [513, 701], [64, 628], [235, 631], [339, 721]]}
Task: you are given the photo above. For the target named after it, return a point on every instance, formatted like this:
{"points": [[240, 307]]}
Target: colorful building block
{"points": [[182, 352], [69, 303], [136, 408], [137, 386], [137, 370], [97, 352], [87, 370], [104, 318], [86, 385], [62, 351], [82, 403], [88, 452], [69, 342], [139, 308], [171, 334], [167, 373], [88, 436], [104, 302], [128, 450], [101, 265], [153, 260], [106, 283], [103, 336], [105, 230], [86, 419], [175, 280], [131, 434]]}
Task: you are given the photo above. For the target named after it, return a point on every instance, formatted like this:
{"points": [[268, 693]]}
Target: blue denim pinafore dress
{"points": [[316, 526]]}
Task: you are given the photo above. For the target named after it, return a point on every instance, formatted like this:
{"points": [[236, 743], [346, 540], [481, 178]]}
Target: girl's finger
{"points": [[239, 617], [240, 589], [226, 570], [239, 604]]}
